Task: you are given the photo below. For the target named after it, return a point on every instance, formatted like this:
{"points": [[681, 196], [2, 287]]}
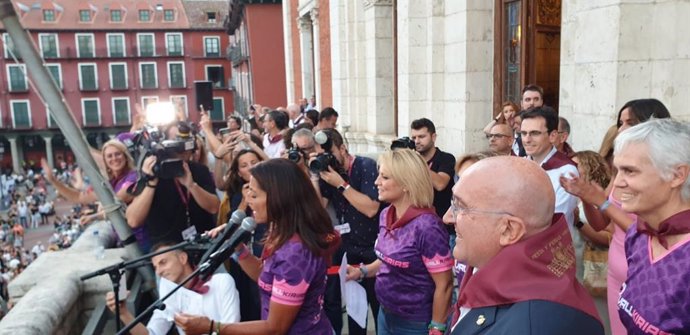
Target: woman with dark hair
{"points": [[292, 270], [603, 207]]}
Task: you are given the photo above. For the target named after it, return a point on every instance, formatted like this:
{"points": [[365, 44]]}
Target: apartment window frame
{"points": [[170, 77], [48, 15], [155, 75], [59, 73], [51, 124], [222, 82], [206, 46], [221, 111], [111, 79], [81, 79], [184, 105], [153, 44], [78, 46], [144, 15], [111, 47], [98, 111], [168, 15], [148, 99], [85, 15], [22, 70], [168, 47], [116, 15], [7, 45], [41, 45], [129, 111], [28, 112]]}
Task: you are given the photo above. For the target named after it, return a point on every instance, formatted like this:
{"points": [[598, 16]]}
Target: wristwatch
{"points": [[342, 188], [579, 224]]}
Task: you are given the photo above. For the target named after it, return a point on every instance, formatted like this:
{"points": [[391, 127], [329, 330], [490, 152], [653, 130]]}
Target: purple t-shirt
{"points": [[294, 276], [124, 182], [655, 298], [409, 255]]}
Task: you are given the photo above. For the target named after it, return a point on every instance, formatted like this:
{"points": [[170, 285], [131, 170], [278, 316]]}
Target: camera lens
{"points": [[294, 155]]}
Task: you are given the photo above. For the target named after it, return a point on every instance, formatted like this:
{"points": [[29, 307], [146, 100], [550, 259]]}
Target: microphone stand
{"points": [[115, 272], [214, 259]]}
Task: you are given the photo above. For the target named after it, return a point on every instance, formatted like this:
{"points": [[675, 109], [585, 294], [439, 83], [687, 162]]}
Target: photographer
{"points": [[174, 208], [357, 209]]}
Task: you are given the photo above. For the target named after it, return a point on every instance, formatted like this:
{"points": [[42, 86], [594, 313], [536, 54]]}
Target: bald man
{"points": [[521, 264], [501, 138]]}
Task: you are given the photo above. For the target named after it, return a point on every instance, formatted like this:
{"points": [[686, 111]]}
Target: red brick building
{"points": [[107, 56], [257, 53]]}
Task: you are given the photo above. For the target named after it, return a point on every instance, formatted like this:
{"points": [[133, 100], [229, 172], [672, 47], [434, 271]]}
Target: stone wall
{"points": [[49, 298], [614, 51]]}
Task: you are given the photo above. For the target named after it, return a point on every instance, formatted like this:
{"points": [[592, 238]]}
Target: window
{"points": [[146, 45], [48, 45], [121, 111], [48, 15], [116, 45], [115, 15], [148, 76], [51, 121], [91, 112], [88, 79], [56, 73], [118, 76], [180, 100], [9, 47], [212, 46], [16, 76], [218, 111], [144, 15], [21, 113], [84, 15], [85, 46], [215, 74], [211, 17], [176, 75], [168, 15], [173, 44], [145, 101]]}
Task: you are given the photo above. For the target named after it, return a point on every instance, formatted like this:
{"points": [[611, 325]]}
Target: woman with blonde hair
{"points": [[413, 277]]}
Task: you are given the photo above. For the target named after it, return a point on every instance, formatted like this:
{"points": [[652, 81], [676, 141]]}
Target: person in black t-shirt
{"points": [[441, 165], [167, 208]]}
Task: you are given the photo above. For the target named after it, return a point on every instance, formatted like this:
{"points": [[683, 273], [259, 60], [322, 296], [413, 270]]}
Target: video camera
{"points": [[151, 141], [403, 143]]}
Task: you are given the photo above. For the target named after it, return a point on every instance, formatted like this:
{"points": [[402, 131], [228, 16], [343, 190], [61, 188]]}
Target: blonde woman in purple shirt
{"points": [[413, 270]]}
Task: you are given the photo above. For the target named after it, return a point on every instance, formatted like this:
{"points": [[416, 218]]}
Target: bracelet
{"points": [[604, 206], [363, 269], [210, 329], [437, 325]]}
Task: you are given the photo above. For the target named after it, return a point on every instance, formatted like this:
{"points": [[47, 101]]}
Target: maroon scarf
{"points": [[541, 267], [677, 224], [410, 214], [274, 139], [199, 286]]}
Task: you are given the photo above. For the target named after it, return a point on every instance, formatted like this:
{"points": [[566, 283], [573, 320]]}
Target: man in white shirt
{"points": [[217, 298], [274, 124]]}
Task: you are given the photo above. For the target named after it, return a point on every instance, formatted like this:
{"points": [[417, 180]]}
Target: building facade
{"points": [[107, 57], [393, 61]]}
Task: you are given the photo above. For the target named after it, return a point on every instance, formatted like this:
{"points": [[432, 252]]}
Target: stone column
{"points": [[378, 26], [49, 149], [16, 154], [314, 14], [289, 66], [306, 45]]}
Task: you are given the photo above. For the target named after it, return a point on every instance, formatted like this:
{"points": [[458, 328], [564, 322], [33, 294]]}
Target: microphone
{"points": [[235, 220], [243, 232]]}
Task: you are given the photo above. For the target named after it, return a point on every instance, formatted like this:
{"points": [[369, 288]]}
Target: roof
{"points": [[197, 13], [67, 14]]}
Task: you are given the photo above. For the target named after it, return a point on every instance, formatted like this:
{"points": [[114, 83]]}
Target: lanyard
{"points": [[185, 201]]}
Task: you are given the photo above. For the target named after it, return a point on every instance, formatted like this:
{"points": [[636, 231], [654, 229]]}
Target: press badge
{"points": [[189, 234], [343, 228]]}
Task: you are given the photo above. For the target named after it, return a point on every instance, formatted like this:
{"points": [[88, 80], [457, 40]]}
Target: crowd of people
{"points": [[508, 240]]}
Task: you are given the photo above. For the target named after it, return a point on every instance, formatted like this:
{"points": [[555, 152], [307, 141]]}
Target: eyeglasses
{"points": [[496, 136], [533, 133], [458, 209]]}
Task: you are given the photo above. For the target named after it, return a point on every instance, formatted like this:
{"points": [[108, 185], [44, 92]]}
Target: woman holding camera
{"points": [[413, 272], [292, 271]]}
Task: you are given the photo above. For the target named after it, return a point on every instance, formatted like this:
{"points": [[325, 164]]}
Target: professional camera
{"points": [[151, 141], [325, 159], [294, 154], [403, 143]]}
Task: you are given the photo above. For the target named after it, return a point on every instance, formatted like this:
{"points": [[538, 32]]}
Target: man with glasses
{"points": [[501, 138], [521, 270], [539, 130]]}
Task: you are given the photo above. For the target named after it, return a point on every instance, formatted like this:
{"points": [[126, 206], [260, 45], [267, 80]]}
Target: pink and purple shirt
{"points": [[294, 276], [409, 255], [655, 298]]}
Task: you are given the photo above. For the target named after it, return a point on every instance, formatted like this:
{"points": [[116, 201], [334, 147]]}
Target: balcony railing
{"points": [[132, 51]]}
